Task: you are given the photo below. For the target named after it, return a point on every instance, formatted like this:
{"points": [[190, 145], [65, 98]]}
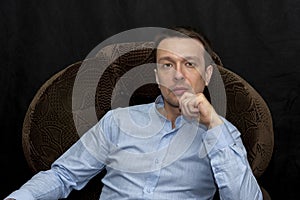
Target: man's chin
{"points": [[174, 102], [173, 99]]}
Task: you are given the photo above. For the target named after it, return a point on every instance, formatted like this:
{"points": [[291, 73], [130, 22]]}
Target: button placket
{"points": [[153, 178]]}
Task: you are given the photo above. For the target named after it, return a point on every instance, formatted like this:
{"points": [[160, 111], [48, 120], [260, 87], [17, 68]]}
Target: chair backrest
{"points": [[49, 128]]}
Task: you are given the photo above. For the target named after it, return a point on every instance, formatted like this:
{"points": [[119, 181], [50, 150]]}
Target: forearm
{"points": [[234, 178], [229, 164], [71, 171], [44, 185]]}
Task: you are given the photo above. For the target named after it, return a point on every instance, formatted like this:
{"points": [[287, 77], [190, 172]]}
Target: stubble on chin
{"points": [[171, 99]]}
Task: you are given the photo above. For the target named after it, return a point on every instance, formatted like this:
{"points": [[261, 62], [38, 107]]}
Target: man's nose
{"points": [[178, 75]]}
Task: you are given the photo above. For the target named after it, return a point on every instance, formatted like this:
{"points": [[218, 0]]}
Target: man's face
{"points": [[181, 68]]}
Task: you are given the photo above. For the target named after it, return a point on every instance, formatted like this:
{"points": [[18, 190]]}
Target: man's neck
{"points": [[171, 113]]}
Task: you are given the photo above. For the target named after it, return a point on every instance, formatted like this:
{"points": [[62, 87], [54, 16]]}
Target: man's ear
{"points": [[156, 77], [208, 74]]}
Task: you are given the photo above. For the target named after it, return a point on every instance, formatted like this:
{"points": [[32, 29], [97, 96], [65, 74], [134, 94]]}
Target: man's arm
{"points": [[71, 171], [229, 163], [224, 147]]}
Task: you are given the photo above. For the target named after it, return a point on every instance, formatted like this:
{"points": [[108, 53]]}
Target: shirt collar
{"points": [[159, 103]]}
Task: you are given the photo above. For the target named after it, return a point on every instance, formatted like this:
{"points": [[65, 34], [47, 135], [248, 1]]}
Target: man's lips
{"points": [[178, 91]]}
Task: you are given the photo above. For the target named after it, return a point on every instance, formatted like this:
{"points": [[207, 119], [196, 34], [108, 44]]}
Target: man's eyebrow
{"points": [[196, 58], [186, 58], [167, 58]]}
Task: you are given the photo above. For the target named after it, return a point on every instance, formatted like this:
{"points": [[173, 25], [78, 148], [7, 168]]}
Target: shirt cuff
{"points": [[218, 138], [21, 195]]}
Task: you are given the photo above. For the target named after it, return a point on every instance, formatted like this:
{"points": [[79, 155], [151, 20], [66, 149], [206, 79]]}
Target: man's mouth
{"points": [[179, 91]]}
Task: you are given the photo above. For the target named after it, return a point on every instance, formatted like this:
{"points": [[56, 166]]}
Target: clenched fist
{"points": [[196, 106]]}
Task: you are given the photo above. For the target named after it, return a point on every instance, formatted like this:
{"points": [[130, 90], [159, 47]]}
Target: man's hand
{"points": [[196, 106]]}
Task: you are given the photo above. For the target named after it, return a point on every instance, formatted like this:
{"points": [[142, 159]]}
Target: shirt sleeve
{"points": [[72, 170], [228, 158]]}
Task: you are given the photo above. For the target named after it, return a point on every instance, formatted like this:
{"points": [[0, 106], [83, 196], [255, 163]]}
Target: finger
{"points": [[189, 106], [204, 107], [206, 110], [183, 102], [184, 97]]}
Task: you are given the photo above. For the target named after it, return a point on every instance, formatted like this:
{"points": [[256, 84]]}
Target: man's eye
{"points": [[190, 64], [167, 65]]}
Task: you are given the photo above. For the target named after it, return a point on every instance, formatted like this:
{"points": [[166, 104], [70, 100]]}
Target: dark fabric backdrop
{"points": [[259, 40]]}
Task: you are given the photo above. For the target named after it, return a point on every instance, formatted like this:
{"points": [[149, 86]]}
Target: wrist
{"points": [[215, 121]]}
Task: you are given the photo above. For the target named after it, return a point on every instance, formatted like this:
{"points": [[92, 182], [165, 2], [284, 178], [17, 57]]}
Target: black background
{"points": [[259, 40]]}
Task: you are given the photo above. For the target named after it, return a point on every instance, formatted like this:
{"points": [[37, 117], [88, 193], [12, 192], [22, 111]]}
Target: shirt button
{"points": [[148, 190], [156, 161]]}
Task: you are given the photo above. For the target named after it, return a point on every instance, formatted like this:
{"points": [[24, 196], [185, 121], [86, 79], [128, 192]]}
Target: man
{"points": [[175, 148]]}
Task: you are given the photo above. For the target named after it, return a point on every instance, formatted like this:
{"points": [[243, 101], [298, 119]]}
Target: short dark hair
{"points": [[188, 32]]}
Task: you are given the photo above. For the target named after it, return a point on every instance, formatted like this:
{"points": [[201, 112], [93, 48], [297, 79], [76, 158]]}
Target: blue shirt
{"points": [[146, 158]]}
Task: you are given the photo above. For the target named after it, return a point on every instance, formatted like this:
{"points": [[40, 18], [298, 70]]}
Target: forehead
{"points": [[182, 47]]}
